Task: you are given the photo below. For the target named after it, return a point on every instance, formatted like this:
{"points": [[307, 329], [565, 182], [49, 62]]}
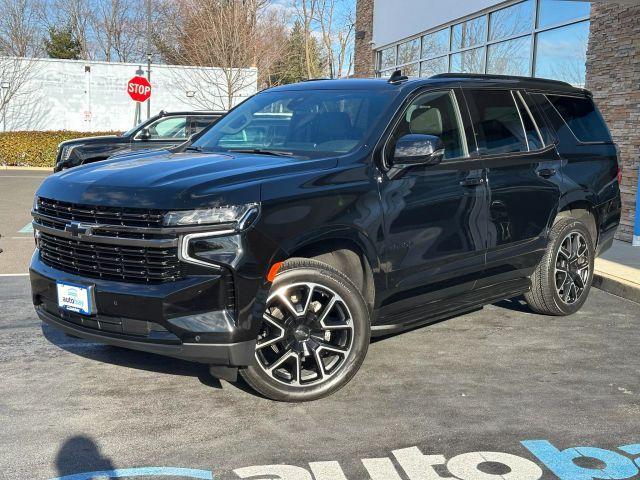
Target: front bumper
{"points": [[185, 319]]}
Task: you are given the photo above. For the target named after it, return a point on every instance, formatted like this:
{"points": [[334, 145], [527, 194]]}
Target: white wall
{"points": [[91, 96], [394, 20]]}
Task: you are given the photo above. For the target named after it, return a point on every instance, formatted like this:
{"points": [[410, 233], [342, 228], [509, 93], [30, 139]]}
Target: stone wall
{"points": [[613, 75], [364, 55]]}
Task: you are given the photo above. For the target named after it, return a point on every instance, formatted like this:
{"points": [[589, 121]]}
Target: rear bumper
{"points": [[188, 319]]}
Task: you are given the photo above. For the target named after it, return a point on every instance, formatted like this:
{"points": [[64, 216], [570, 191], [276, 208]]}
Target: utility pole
{"points": [[149, 54]]}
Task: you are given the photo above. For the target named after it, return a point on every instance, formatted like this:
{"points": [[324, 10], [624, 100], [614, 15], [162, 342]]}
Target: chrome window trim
{"points": [[533, 120]]}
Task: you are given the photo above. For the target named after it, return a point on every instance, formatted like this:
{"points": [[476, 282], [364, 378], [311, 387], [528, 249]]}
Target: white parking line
{"points": [[14, 274], [21, 176]]}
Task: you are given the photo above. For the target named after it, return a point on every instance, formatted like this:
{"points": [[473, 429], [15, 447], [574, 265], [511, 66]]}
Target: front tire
{"points": [[562, 280], [314, 335]]}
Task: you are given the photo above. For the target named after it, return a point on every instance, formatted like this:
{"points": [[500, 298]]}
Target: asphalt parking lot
{"points": [[483, 382], [428, 404], [16, 198]]}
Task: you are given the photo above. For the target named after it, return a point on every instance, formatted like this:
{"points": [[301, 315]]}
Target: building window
{"points": [[468, 61], [511, 21], [435, 66], [556, 12], [470, 33], [409, 51], [506, 41], [388, 57], [561, 53], [436, 43], [511, 57]]}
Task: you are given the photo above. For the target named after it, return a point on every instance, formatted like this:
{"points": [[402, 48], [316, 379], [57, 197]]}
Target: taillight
{"points": [[619, 176]]}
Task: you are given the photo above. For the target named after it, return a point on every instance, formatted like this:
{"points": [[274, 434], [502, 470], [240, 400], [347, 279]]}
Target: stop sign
{"points": [[139, 89]]}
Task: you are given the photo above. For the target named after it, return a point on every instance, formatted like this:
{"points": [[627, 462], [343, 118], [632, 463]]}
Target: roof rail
{"points": [[502, 77], [397, 77], [315, 79]]}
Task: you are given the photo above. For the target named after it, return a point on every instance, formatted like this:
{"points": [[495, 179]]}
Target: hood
{"points": [[85, 140], [173, 180]]}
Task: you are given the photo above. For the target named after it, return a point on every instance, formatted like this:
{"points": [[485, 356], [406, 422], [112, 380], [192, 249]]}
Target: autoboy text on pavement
{"points": [[571, 463]]}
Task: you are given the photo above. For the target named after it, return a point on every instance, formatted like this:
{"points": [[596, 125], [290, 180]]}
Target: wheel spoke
{"points": [[287, 303], [308, 302], [281, 360], [323, 318], [319, 363], [273, 322], [327, 347]]}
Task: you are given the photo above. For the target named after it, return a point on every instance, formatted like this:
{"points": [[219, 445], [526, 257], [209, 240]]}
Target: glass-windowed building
{"points": [[541, 38]]}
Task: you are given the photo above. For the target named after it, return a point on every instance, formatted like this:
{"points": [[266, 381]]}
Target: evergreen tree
{"points": [[292, 65], [62, 44]]}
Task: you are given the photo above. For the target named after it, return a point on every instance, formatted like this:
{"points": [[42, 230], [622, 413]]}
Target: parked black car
{"points": [[315, 215], [165, 130]]}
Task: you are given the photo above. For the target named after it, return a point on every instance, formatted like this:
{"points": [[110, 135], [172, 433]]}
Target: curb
{"points": [[37, 169], [616, 286]]}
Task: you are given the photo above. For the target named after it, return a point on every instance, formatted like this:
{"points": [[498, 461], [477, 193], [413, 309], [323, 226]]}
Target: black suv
{"points": [[316, 215], [165, 130]]}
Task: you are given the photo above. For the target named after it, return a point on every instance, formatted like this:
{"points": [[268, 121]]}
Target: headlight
{"points": [[35, 203], [66, 152], [209, 216]]}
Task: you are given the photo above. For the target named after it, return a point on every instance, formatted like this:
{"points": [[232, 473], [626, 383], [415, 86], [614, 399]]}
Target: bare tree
{"points": [[20, 33], [16, 93], [119, 29], [232, 35], [336, 22], [306, 14]]}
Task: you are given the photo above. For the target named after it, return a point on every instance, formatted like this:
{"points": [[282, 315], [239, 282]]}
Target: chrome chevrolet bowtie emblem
{"points": [[77, 228]]}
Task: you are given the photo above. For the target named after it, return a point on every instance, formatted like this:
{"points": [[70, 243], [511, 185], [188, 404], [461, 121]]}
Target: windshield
{"points": [[309, 123]]}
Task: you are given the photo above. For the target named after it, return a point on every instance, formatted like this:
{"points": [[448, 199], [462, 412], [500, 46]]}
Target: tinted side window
{"points": [[433, 113], [199, 123], [497, 122], [582, 117]]}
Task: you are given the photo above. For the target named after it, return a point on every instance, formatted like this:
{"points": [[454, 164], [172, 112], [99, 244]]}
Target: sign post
{"points": [[139, 89]]}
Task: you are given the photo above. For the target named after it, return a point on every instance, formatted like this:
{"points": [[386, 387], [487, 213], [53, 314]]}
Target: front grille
{"points": [[130, 217], [112, 262]]}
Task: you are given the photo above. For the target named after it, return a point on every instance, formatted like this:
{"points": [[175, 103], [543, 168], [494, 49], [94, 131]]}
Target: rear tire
{"points": [[314, 335], [562, 280]]}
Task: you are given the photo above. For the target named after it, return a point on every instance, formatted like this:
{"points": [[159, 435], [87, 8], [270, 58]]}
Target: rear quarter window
{"points": [[582, 117]]}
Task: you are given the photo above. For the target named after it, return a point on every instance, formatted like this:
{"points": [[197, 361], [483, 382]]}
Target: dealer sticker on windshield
{"points": [[74, 298]]}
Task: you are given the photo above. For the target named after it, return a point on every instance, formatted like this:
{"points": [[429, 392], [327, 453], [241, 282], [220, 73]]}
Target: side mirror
{"points": [[417, 149], [145, 134]]}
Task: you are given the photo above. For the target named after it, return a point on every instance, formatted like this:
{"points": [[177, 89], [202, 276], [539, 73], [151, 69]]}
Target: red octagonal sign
{"points": [[139, 89]]}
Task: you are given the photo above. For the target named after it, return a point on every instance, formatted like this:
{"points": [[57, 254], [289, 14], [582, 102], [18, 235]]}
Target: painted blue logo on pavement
{"points": [[141, 472]]}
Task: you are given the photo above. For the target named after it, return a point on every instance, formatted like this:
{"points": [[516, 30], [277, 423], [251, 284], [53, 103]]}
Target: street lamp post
{"points": [[149, 78], [149, 54], [4, 86]]}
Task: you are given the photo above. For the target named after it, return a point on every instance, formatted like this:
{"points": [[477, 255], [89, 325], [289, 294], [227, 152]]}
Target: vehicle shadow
{"points": [[517, 304], [81, 454], [129, 358]]}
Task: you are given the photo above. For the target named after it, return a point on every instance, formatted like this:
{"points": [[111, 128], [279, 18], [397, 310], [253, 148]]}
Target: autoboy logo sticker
{"points": [[573, 463]]}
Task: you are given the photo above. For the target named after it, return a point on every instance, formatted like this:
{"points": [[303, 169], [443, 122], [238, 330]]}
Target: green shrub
{"points": [[36, 149]]}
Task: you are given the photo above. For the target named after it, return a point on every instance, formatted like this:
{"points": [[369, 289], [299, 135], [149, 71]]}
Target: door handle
{"points": [[472, 181], [547, 172]]}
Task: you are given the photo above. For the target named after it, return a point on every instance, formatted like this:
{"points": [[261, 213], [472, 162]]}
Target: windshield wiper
{"points": [[261, 151], [191, 148]]}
